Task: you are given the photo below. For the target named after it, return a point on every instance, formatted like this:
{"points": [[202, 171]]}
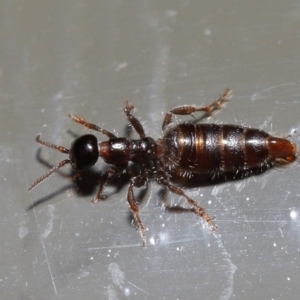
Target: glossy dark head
{"points": [[84, 152]]}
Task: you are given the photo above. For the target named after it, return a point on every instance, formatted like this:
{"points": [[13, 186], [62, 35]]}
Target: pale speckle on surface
{"points": [[171, 13], [294, 215], [117, 275], [121, 66], [23, 231], [207, 32]]}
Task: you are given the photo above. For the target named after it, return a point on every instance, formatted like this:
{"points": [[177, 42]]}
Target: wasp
{"points": [[186, 150]]}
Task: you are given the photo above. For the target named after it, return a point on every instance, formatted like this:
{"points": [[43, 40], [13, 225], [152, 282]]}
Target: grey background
{"points": [[87, 57]]}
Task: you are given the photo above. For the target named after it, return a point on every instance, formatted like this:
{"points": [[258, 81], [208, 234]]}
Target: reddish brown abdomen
{"points": [[220, 149]]}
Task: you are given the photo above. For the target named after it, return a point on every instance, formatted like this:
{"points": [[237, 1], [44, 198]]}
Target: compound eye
{"points": [[84, 152]]}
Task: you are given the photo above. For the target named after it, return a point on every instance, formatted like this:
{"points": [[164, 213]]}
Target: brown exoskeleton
{"points": [[186, 150]]}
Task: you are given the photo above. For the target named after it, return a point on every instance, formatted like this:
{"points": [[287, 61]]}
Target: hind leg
{"points": [[190, 109], [200, 211]]}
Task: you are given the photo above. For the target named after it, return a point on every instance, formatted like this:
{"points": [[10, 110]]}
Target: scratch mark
{"points": [[113, 247], [49, 226], [60, 95], [281, 232], [139, 288], [45, 252], [46, 256], [49, 268], [261, 95], [227, 292]]}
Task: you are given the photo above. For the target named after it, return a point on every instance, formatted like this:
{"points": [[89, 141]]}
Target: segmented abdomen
{"points": [[215, 149]]}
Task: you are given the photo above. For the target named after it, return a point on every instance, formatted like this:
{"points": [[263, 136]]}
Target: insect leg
{"points": [[91, 126], [137, 182], [136, 124], [108, 173], [190, 109], [197, 208]]}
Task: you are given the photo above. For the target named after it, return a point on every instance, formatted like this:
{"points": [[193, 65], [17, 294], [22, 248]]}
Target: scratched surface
{"points": [[87, 57]]}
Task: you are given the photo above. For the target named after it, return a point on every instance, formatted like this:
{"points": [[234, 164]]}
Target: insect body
{"points": [[186, 150]]}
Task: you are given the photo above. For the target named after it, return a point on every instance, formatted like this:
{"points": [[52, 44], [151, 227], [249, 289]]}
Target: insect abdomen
{"points": [[220, 149]]}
